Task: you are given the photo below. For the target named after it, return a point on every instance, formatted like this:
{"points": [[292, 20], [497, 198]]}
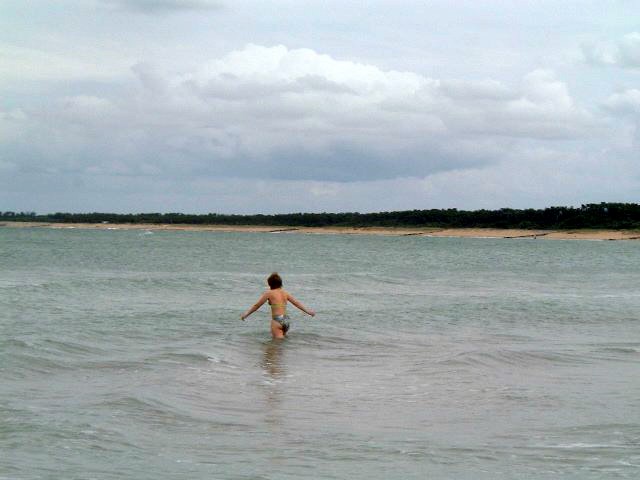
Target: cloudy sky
{"points": [[299, 105]]}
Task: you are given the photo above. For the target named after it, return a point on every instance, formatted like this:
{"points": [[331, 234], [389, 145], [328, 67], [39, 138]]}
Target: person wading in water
{"points": [[277, 298]]}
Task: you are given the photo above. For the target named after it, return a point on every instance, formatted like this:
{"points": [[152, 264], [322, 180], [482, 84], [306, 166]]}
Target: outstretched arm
{"points": [[256, 306], [300, 305]]}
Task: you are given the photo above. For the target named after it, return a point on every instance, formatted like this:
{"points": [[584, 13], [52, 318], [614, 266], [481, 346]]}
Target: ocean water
{"points": [[122, 356]]}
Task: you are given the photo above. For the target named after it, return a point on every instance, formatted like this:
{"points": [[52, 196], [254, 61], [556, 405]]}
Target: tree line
{"points": [[600, 215]]}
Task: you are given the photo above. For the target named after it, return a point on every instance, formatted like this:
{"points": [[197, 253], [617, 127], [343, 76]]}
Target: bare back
{"points": [[277, 298]]}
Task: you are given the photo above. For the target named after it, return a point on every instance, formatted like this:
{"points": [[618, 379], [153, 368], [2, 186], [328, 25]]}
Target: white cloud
{"points": [[296, 114], [624, 52], [626, 102], [629, 50], [598, 53], [541, 109]]}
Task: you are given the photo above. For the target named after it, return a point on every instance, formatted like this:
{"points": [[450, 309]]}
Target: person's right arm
{"points": [[299, 305], [256, 306]]}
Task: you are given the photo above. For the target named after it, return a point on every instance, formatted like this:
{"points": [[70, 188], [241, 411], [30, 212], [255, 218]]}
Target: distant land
{"points": [[609, 216]]}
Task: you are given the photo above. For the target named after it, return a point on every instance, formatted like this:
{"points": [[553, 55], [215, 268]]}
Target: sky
{"points": [[223, 106]]}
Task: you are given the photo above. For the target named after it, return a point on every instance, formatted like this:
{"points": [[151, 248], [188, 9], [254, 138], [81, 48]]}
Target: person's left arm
{"points": [[256, 306], [300, 305]]}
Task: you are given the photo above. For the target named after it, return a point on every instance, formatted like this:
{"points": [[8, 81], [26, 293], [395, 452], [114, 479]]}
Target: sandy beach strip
{"points": [[389, 231]]}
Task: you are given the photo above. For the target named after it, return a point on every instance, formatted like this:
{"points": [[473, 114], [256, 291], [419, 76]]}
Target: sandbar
{"points": [[508, 233]]}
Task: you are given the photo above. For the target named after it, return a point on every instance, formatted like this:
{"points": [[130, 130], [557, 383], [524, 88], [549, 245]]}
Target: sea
{"points": [[123, 356]]}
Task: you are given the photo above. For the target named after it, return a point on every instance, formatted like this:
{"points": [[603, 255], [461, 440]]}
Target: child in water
{"points": [[277, 298]]}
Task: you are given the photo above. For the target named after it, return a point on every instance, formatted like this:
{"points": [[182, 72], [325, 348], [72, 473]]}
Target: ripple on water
{"points": [[123, 357]]}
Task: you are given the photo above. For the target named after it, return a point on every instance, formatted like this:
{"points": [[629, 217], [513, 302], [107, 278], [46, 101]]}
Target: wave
{"points": [[623, 350], [154, 411], [512, 358], [35, 363], [189, 358], [70, 347]]}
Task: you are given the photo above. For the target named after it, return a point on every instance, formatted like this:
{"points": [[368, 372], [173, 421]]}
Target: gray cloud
{"points": [[469, 107], [163, 6], [272, 112], [535, 177]]}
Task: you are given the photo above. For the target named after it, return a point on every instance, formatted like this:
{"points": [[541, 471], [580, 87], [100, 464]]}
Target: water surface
{"points": [[122, 356]]}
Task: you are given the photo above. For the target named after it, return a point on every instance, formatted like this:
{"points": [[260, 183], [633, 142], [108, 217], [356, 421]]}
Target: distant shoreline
{"points": [[574, 234]]}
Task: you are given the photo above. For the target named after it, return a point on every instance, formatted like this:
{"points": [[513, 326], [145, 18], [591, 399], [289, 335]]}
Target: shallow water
{"points": [[122, 356]]}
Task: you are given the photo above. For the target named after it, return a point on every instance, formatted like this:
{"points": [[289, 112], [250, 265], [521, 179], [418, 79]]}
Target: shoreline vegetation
{"points": [[604, 221]]}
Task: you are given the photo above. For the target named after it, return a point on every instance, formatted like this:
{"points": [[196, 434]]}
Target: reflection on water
{"points": [[272, 358], [274, 370]]}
